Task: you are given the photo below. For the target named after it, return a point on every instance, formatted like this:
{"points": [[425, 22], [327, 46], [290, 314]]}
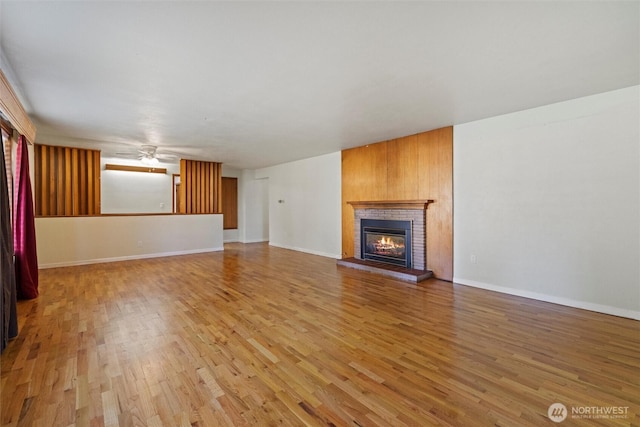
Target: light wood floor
{"points": [[258, 336]]}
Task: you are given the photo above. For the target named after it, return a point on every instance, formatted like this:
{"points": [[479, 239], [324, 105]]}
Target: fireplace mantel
{"points": [[391, 204]]}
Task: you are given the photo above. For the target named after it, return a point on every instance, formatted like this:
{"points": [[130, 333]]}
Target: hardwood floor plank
{"points": [[258, 335]]}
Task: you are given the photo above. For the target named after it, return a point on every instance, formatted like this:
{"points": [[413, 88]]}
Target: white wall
{"points": [[68, 241], [308, 217], [136, 192], [255, 218], [547, 203]]}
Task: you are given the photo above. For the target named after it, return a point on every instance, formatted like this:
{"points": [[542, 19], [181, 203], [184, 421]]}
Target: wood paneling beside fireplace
{"points": [[412, 167]]}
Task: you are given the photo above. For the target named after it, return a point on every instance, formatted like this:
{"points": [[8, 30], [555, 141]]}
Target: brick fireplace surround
{"points": [[403, 210]]}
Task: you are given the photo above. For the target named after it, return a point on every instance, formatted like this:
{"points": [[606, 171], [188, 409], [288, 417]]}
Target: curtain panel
{"points": [[24, 228]]}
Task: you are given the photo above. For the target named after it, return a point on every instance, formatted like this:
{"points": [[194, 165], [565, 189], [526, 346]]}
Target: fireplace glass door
{"points": [[386, 241]]}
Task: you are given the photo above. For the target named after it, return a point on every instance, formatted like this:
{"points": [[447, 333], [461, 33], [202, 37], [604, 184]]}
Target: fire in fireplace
{"points": [[386, 241]]}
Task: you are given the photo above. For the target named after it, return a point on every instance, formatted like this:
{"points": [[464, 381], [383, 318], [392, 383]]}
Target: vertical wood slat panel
{"points": [[184, 172], [195, 172], [204, 174], [200, 190], [206, 188], [52, 181], [201, 186], [67, 181], [215, 197], [46, 182], [82, 179], [212, 180], [75, 192], [89, 183], [39, 173], [181, 194], [88, 186], [195, 198], [59, 184], [187, 188], [205, 191], [97, 206], [182, 203], [68, 201], [219, 192], [191, 185]]}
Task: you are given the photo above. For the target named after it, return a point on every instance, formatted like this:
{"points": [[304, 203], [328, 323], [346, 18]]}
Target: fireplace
{"points": [[390, 238], [386, 241]]}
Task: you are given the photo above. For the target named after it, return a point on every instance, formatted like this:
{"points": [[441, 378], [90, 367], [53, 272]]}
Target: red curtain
{"points": [[24, 237]]}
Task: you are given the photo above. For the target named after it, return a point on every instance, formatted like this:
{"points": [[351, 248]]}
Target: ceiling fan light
{"points": [[149, 161]]}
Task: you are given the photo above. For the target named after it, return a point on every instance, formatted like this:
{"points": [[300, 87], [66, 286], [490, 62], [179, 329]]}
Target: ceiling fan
{"points": [[149, 155]]}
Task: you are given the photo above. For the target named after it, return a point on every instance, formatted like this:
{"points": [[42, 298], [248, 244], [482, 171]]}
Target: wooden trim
{"points": [[134, 168], [391, 204], [14, 111], [5, 125]]}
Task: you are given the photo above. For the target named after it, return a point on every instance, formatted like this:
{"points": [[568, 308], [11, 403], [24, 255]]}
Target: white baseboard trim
{"points": [[126, 258], [600, 308], [254, 241], [308, 251]]}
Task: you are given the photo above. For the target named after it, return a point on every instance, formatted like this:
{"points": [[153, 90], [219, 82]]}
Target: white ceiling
{"points": [[257, 84]]}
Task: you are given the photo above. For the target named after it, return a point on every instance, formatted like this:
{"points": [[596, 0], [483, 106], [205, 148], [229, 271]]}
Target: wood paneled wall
{"points": [[67, 181], [201, 187], [414, 167]]}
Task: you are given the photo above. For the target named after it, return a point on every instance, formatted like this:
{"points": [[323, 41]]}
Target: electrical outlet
{"points": [[139, 243], [473, 259]]}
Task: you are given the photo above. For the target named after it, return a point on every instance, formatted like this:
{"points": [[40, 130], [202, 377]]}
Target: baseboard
{"points": [[308, 251], [126, 258], [254, 241], [599, 308]]}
